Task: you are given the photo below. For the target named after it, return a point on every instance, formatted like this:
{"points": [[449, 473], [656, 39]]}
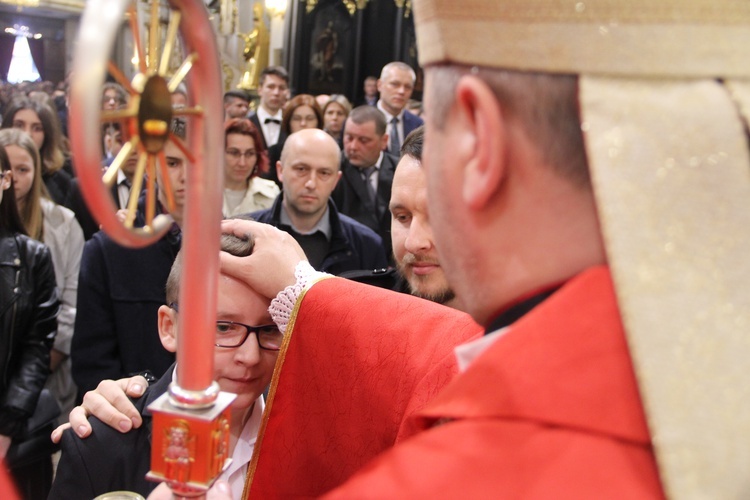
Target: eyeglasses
{"points": [[306, 118], [236, 154], [230, 334], [108, 99]]}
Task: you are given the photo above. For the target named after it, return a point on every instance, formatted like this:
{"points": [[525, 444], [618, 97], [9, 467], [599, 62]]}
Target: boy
{"points": [[109, 461]]}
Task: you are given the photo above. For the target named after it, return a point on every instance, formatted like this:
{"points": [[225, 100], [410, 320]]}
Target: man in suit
{"points": [[273, 91], [367, 173], [395, 85], [120, 189]]}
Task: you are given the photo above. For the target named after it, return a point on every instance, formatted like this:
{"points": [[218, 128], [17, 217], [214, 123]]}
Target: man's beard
{"points": [[441, 296]]}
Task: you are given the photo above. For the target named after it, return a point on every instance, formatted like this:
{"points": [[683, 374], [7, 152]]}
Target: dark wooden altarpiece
{"points": [[333, 45]]}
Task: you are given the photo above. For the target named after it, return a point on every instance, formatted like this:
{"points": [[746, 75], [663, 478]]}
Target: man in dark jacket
{"points": [[122, 288], [334, 243], [367, 173]]}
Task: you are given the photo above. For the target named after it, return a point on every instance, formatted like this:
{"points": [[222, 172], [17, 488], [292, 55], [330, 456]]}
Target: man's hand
{"points": [[270, 268], [110, 404]]}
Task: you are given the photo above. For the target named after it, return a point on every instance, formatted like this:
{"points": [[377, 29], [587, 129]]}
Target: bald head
{"points": [[309, 170], [307, 139]]}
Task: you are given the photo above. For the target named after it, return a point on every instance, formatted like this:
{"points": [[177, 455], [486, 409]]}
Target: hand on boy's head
{"points": [[110, 404], [270, 268]]}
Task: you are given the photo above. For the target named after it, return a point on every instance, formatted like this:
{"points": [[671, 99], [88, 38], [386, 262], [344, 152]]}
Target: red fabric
{"points": [[550, 410], [360, 359], [7, 487]]}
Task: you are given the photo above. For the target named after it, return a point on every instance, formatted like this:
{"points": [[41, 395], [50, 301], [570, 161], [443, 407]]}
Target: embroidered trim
{"points": [[311, 276], [283, 304]]}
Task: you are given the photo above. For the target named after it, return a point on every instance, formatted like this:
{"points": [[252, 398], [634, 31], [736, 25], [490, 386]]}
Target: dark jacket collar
{"points": [[338, 239]]}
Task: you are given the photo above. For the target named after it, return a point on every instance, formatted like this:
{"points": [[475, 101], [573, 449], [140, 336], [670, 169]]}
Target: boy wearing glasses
{"points": [[247, 344]]}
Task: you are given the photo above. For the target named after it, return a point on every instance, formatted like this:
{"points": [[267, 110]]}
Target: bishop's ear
{"points": [[483, 120]]}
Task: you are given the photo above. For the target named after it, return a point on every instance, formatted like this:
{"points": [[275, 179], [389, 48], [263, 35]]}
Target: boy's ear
{"points": [[167, 321]]}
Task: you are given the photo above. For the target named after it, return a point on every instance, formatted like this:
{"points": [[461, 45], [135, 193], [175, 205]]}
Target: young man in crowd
{"points": [[273, 92]]}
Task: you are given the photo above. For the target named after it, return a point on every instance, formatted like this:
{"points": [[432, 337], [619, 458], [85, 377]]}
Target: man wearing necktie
{"points": [[273, 91], [364, 191], [395, 85]]}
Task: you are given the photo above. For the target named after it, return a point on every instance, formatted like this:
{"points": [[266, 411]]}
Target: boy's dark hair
{"points": [[230, 243]]}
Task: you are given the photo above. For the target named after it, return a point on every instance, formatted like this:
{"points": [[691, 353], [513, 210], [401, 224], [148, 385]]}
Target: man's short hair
{"points": [[278, 71], [398, 65], [363, 114], [545, 104], [413, 143], [230, 243], [236, 94], [371, 79]]}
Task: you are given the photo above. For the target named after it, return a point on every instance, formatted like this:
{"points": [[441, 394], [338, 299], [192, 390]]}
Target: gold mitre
{"points": [[664, 91], [612, 37]]}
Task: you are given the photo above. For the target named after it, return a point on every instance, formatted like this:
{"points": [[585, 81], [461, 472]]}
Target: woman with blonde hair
{"points": [[335, 112], [57, 228]]}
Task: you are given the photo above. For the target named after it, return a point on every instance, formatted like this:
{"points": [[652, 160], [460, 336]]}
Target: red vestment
{"points": [[357, 361], [550, 410]]}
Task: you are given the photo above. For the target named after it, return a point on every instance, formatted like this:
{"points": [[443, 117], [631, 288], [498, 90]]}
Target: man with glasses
{"points": [[244, 160], [247, 344], [333, 242]]}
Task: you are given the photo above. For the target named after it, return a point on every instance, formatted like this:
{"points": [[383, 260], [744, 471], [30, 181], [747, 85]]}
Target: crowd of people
{"points": [[283, 165], [446, 310]]}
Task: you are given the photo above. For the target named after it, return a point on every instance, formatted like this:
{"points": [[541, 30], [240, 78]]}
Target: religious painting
{"points": [[330, 50]]}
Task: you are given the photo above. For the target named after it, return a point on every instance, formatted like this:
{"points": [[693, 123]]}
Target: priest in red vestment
{"points": [[557, 198], [585, 163]]}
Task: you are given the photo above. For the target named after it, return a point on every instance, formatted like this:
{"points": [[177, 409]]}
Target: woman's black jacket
{"points": [[29, 303]]}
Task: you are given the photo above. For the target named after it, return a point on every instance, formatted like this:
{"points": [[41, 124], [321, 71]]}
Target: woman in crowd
{"points": [[244, 159], [28, 322], [57, 228], [41, 123], [335, 112], [300, 112]]}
